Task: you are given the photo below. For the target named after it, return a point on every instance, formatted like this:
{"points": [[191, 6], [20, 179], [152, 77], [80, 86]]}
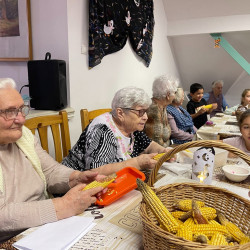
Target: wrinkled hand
{"points": [[75, 201], [214, 105], [146, 161], [173, 159], [85, 177]]}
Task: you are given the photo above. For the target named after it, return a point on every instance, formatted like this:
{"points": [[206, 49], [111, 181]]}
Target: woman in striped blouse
{"points": [[116, 140]]}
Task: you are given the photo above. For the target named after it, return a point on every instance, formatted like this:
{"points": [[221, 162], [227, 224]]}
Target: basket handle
{"points": [[201, 143]]}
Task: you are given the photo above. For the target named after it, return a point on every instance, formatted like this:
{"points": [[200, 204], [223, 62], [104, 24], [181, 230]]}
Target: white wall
{"points": [[95, 88]]}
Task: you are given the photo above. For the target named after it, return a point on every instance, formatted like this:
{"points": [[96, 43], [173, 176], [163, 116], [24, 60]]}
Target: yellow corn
{"points": [[189, 222], [214, 222], [186, 205], [237, 234], [158, 156], [244, 240], [218, 239], [209, 230], [197, 215], [208, 212], [179, 222], [101, 183], [185, 233], [163, 216], [178, 214], [202, 238]]}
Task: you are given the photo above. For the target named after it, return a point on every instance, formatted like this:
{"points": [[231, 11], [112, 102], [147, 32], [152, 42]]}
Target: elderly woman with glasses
{"points": [[181, 122], [116, 140], [157, 127], [28, 174]]}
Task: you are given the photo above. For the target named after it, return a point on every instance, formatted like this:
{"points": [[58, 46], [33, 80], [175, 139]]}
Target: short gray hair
{"points": [[163, 85], [130, 97], [217, 82], [178, 95], [7, 82]]}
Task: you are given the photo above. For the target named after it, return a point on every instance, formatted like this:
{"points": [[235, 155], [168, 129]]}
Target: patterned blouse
{"points": [[102, 143]]}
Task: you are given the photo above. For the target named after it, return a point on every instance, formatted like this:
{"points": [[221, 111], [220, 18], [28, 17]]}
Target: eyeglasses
{"points": [[9, 114], [140, 113]]}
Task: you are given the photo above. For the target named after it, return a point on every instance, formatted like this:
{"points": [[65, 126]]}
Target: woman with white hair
{"points": [[216, 96], [180, 121], [157, 127], [28, 174], [116, 140]]}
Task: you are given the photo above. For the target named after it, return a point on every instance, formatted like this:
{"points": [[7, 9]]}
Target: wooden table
{"points": [[225, 126]]}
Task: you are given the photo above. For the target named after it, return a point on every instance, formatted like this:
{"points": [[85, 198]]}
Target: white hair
{"points": [[217, 82], [163, 85], [178, 95], [7, 83], [130, 97]]}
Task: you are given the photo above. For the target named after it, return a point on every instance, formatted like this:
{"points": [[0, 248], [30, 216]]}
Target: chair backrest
{"points": [[59, 129], [88, 116]]}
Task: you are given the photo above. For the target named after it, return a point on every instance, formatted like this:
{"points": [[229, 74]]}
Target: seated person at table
{"points": [[115, 140], [216, 96], [245, 103], [243, 106], [196, 106], [181, 123], [157, 127], [28, 174], [242, 142]]}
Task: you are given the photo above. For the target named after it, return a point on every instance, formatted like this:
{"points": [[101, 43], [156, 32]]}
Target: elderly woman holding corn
{"points": [[116, 140], [28, 174]]}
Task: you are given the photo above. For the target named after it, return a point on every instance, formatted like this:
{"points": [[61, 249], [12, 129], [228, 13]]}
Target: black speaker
{"points": [[47, 84]]}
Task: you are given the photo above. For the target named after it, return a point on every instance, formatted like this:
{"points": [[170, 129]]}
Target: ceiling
{"points": [[196, 58]]}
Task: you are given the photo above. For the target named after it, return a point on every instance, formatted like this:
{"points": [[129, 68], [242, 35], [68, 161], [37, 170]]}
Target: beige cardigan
{"points": [[25, 172]]}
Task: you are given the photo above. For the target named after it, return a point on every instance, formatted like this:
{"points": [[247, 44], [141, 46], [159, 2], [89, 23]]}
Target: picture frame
{"points": [[15, 41]]}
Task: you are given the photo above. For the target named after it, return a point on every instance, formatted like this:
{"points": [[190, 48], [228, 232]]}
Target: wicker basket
{"points": [[233, 206]]}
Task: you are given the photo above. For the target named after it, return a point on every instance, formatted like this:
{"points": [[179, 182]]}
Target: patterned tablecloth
{"points": [[224, 126]]}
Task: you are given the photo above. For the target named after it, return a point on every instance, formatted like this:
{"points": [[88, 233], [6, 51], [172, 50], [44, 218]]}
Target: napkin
{"points": [[57, 235], [183, 169]]}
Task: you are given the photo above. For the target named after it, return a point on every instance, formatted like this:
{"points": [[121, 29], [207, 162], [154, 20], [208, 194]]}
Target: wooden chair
{"points": [[62, 143], [88, 116]]}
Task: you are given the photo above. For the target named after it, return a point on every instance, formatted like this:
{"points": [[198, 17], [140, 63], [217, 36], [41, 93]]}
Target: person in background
{"points": [[245, 103], [242, 142], [157, 127], [180, 121], [196, 106], [243, 106], [113, 141], [28, 174], [216, 96]]}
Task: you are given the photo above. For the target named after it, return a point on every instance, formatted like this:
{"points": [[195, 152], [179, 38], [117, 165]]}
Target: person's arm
{"points": [[176, 132], [224, 103]]}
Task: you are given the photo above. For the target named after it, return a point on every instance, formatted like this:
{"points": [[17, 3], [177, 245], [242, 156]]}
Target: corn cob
{"points": [[101, 183], [189, 222], [202, 238], [185, 233], [178, 214], [179, 221], [244, 240], [163, 216], [209, 230], [197, 215], [186, 205], [208, 212], [218, 239], [158, 156], [213, 222], [237, 234]]}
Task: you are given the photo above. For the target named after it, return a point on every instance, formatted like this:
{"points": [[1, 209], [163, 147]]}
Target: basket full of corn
{"points": [[194, 215]]}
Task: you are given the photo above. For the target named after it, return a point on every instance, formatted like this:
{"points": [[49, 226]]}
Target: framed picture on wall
{"points": [[15, 30]]}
